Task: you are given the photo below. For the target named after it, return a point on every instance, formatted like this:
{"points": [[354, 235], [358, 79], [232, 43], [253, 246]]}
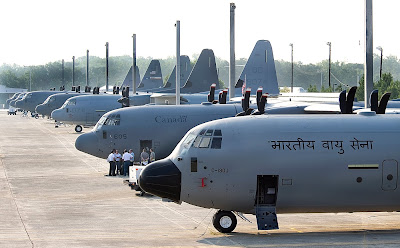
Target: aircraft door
{"points": [[389, 174], [147, 144], [89, 118]]}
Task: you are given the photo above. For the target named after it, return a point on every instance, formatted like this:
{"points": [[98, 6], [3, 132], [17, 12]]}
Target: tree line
{"points": [[313, 77]]}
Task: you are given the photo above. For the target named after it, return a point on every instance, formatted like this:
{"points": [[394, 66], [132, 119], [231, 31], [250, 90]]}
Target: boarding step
{"points": [[266, 217]]}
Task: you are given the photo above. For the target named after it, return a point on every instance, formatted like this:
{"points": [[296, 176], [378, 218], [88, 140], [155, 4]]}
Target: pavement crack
{"points": [[15, 202]]}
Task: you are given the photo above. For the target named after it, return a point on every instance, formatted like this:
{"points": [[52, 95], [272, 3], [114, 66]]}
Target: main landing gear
{"points": [[224, 221], [78, 128]]}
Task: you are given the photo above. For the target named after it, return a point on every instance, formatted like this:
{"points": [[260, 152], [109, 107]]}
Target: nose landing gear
{"points": [[224, 221]]}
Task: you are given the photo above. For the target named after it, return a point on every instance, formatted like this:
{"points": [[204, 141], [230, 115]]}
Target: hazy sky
{"points": [[40, 31]]}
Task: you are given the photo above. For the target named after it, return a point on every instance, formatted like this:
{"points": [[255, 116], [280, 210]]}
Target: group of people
{"points": [[146, 158], [119, 164]]}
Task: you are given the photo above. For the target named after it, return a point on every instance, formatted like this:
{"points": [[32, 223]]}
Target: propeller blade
{"points": [[373, 101], [259, 94], [223, 97], [342, 102], [383, 103], [350, 99], [212, 93]]}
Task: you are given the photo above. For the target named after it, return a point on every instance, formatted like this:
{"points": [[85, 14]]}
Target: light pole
{"points": [[30, 77], [380, 69], [73, 70], [329, 70], [291, 88]]}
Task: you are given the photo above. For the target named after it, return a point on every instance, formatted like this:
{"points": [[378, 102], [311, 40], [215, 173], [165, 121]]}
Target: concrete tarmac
{"points": [[52, 195]]}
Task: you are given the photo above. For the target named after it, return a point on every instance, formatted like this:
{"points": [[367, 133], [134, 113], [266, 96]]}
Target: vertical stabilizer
{"points": [[204, 74], [186, 68], [128, 79], [259, 70], [152, 79]]}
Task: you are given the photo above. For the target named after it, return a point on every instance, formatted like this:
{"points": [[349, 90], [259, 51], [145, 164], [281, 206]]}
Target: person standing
{"points": [[118, 157], [111, 160], [144, 156], [133, 157], [127, 160], [152, 155]]}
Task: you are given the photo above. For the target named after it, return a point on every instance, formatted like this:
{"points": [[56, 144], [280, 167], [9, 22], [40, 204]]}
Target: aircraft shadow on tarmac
{"points": [[307, 239]]}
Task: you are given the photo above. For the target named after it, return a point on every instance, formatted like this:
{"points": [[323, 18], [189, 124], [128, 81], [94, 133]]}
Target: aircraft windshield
{"points": [[49, 99], [110, 120], [207, 138], [69, 102]]}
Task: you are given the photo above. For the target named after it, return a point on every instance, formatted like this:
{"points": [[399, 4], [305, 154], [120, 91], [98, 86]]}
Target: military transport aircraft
{"points": [[284, 164], [57, 100], [87, 110], [32, 99]]}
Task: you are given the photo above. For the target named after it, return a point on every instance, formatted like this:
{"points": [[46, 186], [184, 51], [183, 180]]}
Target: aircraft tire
{"points": [[224, 221], [78, 128]]}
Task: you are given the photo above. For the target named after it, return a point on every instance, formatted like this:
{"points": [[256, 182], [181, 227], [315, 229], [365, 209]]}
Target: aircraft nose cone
{"points": [[87, 143], [19, 104], [40, 109], [162, 178], [55, 114]]}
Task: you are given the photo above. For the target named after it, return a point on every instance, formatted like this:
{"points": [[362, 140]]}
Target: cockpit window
{"points": [[205, 142], [188, 141], [100, 123], [209, 132], [205, 137], [216, 143], [29, 95], [71, 102], [113, 120]]}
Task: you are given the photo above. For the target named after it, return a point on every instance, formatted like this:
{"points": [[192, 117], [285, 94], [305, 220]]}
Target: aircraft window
{"points": [[100, 123], [209, 132], [197, 141], [202, 132], [112, 120], [189, 139], [205, 142], [216, 143], [71, 102], [29, 96], [217, 132], [52, 99]]}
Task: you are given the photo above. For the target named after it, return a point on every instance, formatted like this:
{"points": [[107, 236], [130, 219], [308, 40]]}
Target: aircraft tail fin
{"points": [[259, 70], [152, 79], [128, 79], [204, 74], [186, 68]]}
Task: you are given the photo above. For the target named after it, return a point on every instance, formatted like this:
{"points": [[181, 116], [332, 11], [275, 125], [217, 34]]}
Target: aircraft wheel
{"points": [[78, 128], [224, 221]]}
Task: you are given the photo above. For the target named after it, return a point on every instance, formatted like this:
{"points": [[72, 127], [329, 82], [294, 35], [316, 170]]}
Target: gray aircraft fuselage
{"points": [[157, 126], [324, 163], [19, 97], [54, 102], [85, 110], [34, 98]]}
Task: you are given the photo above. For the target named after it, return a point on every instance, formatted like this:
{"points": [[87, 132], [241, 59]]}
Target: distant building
{"points": [[6, 93], [286, 89]]}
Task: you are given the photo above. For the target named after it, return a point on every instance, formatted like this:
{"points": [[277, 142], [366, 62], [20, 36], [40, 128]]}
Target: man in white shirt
{"points": [[127, 160], [118, 157], [111, 160]]}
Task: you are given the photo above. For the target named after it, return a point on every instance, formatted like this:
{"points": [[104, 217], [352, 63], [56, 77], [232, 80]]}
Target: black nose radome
{"points": [[162, 178]]}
